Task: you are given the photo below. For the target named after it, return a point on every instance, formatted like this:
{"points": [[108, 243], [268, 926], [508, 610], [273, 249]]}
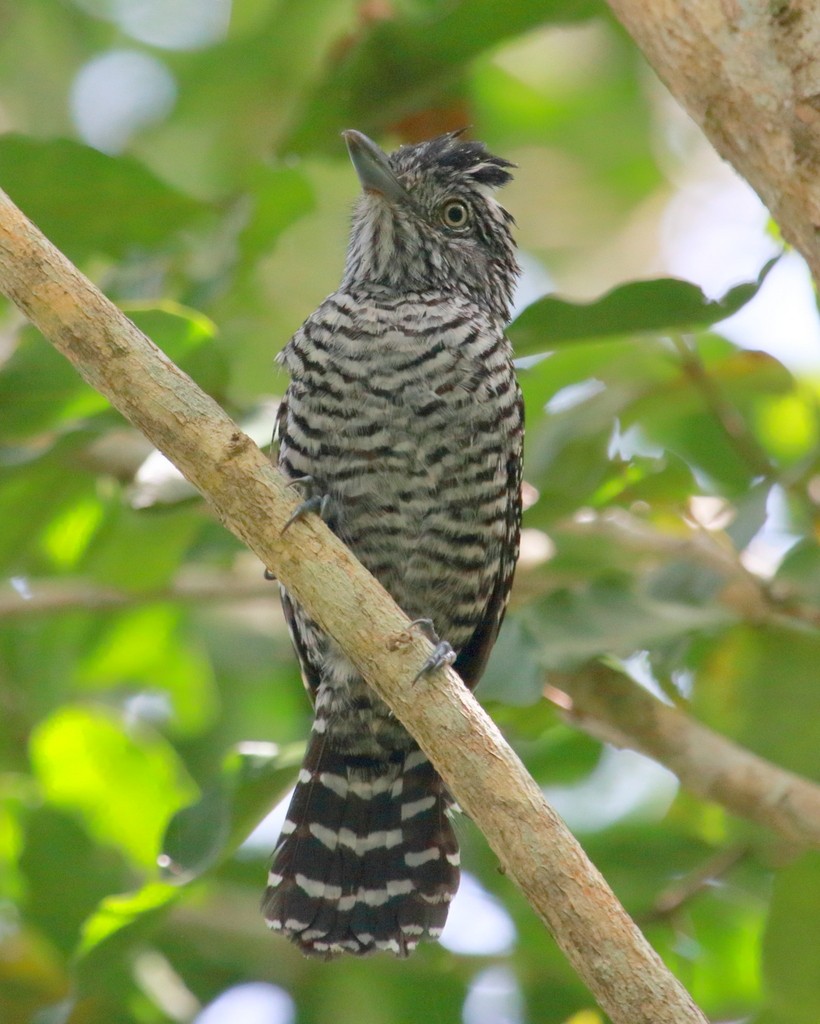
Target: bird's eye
{"points": [[455, 214]]}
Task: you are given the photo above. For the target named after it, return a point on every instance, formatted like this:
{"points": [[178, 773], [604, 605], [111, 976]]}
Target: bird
{"points": [[403, 424]]}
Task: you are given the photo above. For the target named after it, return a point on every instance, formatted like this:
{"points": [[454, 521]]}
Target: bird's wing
{"points": [[472, 658], [311, 675]]}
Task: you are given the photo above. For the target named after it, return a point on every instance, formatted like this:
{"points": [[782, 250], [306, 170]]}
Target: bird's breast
{"points": [[408, 422]]}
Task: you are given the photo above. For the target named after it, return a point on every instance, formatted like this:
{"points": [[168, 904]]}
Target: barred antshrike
{"points": [[404, 420]]}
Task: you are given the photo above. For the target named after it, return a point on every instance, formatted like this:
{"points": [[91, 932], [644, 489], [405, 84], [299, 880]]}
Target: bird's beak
{"points": [[373, 167]]}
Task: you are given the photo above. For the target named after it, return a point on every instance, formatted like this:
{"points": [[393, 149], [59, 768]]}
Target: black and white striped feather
{"points": [[403, 408]]}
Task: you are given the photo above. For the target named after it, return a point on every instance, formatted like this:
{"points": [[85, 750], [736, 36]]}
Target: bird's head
{"points": [[427, 220]]}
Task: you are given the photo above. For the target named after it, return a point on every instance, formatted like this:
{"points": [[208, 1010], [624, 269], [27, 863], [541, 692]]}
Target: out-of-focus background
{"points": [[187, 157]]}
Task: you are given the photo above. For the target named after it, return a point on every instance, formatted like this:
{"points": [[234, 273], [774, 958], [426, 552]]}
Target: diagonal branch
{"points": [[610, 706], [747, 74], [727, 417], [606, 948]]}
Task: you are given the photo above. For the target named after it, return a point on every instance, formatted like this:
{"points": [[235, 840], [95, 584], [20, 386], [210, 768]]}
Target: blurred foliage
{"points": [[146, 678]]}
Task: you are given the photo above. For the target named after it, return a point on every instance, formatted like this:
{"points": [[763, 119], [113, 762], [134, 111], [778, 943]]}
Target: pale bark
{"points": [[748, 73], [536, 850], [612, 707]]}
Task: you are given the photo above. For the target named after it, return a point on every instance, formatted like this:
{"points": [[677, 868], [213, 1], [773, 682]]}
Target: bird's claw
{"points": [[314, 503], [426, 627], [442, 655], [300, 481]]}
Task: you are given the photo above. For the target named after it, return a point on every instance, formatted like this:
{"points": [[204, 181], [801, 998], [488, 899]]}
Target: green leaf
{"points": [[253, 779], [513, 675], [115, 914], [554, 754], [788, 425], [53, 908], [750, 514], [665, 304], [147, 650], [591, 391], [791, 943], [566, 454], [41, 390], [556, 108], [640, 863], [609, 617], [31, 975], [11, 839], [141, 550], [281, 196], [262, 75], [685, 581], [799, 573], [726, 930], [34, 493], [124, 784], [89, 203], [187, 337], [401, 62], [103, 954], [759, 683]]}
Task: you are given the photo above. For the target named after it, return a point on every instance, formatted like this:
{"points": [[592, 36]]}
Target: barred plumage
{"points": [[404, 411]]}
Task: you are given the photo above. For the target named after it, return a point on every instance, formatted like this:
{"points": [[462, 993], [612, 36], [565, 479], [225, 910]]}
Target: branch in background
{"points": [[610, 706], [534, 846], [671, 900], [604, 719], [24, 597], [747, 74], [727, 417]]}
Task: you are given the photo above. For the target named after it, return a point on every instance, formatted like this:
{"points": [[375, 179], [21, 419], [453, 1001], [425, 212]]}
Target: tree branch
{"points": [[607, 705], [23, 597], [727, 417], [747, 74], [610, 706], [679, 892], [535, 848]]}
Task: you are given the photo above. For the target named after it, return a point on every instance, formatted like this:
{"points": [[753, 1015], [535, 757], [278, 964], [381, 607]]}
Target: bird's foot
{"points": [[443, 654], [313, 503]]}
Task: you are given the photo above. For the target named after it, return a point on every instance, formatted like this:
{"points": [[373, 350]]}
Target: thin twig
{"points": [[727, 417], [23, 597], [674, 897]]}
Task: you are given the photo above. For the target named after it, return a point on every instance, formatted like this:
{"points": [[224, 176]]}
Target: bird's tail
{"points": [[367, 860]]}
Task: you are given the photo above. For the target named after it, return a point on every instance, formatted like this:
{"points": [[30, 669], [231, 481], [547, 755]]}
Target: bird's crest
{"points": [[449, 153]]}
